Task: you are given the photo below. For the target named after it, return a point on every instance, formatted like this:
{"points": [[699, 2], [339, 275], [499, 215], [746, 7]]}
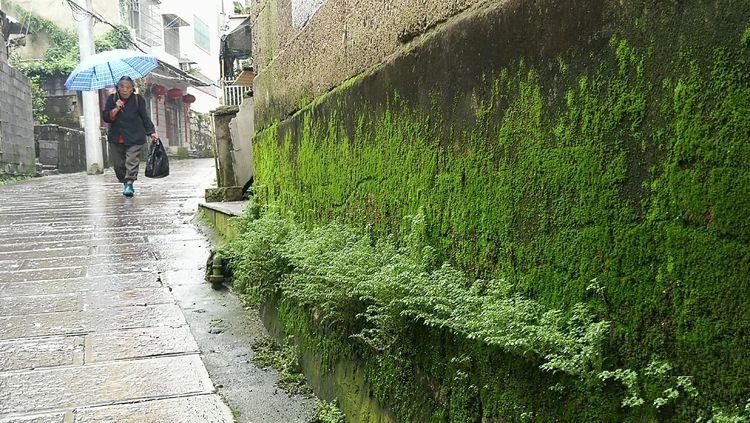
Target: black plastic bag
{"points": [[157, 165]]}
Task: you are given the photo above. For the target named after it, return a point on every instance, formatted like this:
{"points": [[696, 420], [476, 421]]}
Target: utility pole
{"points": [[94, 157]]}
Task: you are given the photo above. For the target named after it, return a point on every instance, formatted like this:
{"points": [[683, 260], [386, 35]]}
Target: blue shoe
{"points": [[128, 191]]}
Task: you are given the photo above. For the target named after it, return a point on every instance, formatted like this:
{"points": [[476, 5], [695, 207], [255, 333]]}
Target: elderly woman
{"points": [[129, 122]]}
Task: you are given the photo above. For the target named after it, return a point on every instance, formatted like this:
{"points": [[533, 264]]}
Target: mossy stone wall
{"points": [[298, 61], [587, 151]]}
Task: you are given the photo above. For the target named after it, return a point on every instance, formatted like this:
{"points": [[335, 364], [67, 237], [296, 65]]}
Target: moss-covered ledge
{"points": [[225, 110]]}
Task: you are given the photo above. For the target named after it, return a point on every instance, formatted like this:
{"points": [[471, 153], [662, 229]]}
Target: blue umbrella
{"points": [[104, 69]]}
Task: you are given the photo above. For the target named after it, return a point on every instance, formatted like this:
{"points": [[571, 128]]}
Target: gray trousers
{"points": [[125, 160]]}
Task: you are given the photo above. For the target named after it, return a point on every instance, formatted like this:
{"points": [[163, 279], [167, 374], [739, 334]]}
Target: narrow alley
{"points": [[89, 326]]}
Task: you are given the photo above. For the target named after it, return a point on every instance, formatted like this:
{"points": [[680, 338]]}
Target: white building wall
{"points": [[207, 61], [204, 103]]}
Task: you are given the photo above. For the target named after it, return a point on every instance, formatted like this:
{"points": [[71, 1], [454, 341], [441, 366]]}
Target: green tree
{"points": [[38, 100], [118, 37]]}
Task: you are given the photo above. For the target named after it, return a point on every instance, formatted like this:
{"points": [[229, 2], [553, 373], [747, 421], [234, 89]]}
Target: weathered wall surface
{"points": [[63, 107], [340, 39], [61, 148], [586, 151], [17, 155], [225, 158], [242, 129]]}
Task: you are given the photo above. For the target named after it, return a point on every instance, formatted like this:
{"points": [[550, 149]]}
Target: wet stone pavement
{"points": [[91, 288]]}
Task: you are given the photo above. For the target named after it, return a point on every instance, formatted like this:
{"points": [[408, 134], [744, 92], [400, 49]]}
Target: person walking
{"points": [[129, 121]]}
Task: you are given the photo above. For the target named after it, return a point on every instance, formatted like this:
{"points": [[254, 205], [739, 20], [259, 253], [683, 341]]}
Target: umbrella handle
{"points": [[117, 93]]}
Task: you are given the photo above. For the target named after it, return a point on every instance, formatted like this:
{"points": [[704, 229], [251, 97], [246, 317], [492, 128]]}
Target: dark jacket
{"points": [[132, 123]]}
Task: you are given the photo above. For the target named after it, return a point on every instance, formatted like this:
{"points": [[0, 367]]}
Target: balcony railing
{"points": [[233, 94]]}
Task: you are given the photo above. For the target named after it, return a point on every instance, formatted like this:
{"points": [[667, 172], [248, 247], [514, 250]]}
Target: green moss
{"points": [[614, 180]]}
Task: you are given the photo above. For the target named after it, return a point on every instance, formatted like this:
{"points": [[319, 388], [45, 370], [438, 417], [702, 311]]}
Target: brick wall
{"points": [[17, 155]]}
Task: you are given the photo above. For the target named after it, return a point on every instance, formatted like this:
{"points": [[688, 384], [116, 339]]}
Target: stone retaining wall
{"points": [[16, 123], [303, 48]]}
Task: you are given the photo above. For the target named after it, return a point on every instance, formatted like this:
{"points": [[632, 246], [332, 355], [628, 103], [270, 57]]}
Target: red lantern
{"points": [[174, 93], [188, 99], [158, 91]]}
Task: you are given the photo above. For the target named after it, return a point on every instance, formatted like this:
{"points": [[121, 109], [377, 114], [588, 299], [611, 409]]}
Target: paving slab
{"points": [[143, 342], [76, 322], [19, 243], [40, 274], [134, 296], [203, 408], [41, 352], [55, 303], [86, 260], [43, 418], [32, 251], [100, 285]]}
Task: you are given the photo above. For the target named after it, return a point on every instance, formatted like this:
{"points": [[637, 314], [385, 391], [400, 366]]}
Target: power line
{"points": [[76, 7]]}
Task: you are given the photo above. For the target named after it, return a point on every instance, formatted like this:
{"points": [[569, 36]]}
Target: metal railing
{"points": [[233, 94]]}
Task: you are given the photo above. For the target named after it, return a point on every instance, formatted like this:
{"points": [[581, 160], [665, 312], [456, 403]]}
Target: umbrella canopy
{"points": [[104, 69]]}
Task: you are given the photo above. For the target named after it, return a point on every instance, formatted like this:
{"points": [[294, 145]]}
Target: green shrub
{"points": [[370, 291], [255, 256]]}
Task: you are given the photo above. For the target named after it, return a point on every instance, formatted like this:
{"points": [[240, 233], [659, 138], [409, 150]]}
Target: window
{"points": [[143, 17], [202, 39], [171, 36]]}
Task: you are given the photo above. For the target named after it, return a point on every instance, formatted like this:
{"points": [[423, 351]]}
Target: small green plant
{"points": [[656, 385], [720, 415], [10, 180], [344, 276], [119, 37], [328, 412]]}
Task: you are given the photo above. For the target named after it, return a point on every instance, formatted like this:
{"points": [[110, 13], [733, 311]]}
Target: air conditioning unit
{"points": [[186, 64]]}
